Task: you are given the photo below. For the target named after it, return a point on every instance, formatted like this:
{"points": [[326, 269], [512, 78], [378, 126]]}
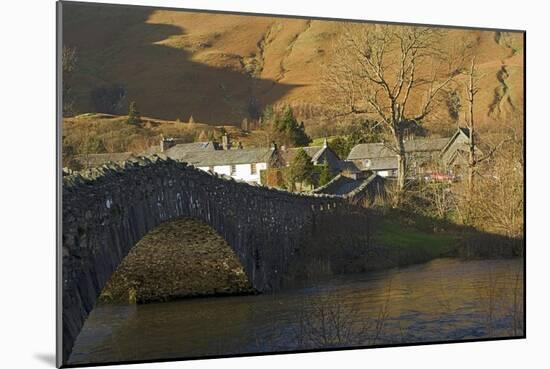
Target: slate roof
{"points": [[177, 151], [311, 151], [371, 150], [350, 166], [342, 185], [464, 132], [426, 144], [207, 158], [318, 154], [97, 160], [378, 150], [349, 187]]}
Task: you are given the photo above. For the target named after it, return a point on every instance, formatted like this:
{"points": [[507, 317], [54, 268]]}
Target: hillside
{"points": [[99, 133], [223, 68]]}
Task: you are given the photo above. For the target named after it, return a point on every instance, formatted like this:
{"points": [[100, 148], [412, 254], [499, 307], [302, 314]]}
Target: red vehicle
{"points": [[440, 177]]}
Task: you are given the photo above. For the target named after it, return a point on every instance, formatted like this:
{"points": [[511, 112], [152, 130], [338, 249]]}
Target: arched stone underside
{"points": [[106, 211]]}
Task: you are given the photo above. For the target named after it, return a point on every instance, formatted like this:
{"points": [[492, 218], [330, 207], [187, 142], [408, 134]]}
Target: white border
{"points": [[28, 181]]}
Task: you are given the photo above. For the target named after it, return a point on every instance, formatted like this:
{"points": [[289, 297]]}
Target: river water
{"points": [[445, 299]]}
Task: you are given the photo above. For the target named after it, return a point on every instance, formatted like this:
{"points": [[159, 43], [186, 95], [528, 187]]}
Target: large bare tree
{"points": [[392, 74]]}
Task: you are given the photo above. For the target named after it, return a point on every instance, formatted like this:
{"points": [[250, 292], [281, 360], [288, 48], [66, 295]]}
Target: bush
{"points": [[273, 177]]}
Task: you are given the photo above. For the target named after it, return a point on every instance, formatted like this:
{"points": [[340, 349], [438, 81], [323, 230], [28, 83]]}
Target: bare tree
{"points": [[471, 93], [475, 158], [392, 74], [497, 198]]}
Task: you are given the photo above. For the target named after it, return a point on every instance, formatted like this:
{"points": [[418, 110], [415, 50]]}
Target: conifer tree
{"points": [[133, 114], [324, 174], [301, 169]]}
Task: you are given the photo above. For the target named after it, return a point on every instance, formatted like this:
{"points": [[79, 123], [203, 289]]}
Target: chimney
{"points": [[273, 145], [226, 144], [325, 143]]}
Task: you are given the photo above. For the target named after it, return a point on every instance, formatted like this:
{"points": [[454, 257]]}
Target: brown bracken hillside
{"points": [[222, 68]]}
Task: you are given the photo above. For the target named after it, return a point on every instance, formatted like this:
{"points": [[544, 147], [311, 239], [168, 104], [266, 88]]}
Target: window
{"points": [[233, 169], [253, 168]]}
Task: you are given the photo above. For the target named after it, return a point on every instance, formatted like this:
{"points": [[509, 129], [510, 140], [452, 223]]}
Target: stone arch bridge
{"points": [[106, 211]]}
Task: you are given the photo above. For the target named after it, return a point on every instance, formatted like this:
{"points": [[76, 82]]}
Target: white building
{"points": [[241, 164]]}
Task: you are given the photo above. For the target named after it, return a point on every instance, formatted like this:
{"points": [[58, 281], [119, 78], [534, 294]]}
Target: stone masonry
{"points": [[107, 210]]}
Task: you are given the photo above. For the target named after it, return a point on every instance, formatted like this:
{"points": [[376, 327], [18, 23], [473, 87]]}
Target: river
{"points": [[442, 300]]}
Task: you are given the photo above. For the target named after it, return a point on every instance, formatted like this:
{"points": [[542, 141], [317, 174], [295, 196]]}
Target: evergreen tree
{"points": [[268, 115], [133, 114], [324, 174], [301, 169], [294, 133], [342, 146]]}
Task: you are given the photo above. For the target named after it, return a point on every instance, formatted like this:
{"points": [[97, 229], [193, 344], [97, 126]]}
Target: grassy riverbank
{"points": [[433, 244], [403, 238], [182, 258]]}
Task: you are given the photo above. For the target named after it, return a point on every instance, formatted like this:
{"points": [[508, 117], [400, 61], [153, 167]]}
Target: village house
{"points": [[234, 161], [318, 154], [425, 155], [239, 163]]}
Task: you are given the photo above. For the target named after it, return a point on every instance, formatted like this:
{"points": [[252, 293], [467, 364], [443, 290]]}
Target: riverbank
{"points": [[187, 258], [402, 238], [179, 259]]}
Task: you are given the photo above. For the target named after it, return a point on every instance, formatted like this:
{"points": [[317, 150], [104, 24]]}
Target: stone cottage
{"points": [[425, 155], [318, 154]]}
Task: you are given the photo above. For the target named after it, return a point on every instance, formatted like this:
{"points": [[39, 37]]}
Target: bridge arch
{"points": [[179, 258], [106, 211]]}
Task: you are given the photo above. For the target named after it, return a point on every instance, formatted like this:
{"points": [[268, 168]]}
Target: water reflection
{"points": [[445, 299]]}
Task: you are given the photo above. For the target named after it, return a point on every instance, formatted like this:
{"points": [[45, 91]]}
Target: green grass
{"points": [[395, 234], [320, 140]]}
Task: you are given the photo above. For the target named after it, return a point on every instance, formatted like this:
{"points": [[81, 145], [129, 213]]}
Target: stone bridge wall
{"points": [[106, 211]]}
